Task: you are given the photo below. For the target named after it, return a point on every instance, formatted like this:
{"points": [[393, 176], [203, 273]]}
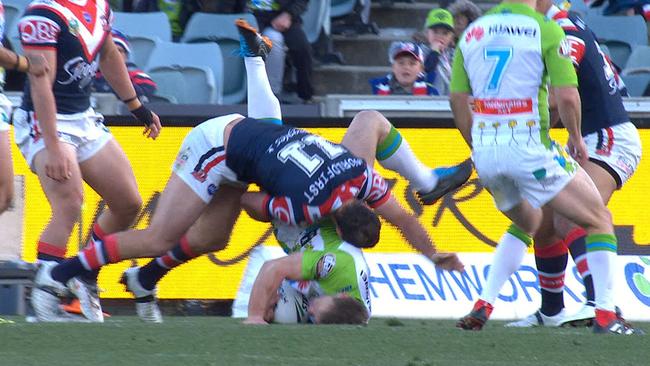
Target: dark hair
{"points": [[345, 310], [467, 8], [358, 224]]}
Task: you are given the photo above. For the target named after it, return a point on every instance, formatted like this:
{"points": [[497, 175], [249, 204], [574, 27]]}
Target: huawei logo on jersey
{"points": [[474, 33]]}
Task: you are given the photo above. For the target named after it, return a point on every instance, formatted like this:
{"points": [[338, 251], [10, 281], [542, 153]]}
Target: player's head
{"points": [[339, 309], [543, 6], [357, 224], [407, 60], [122, 43]]}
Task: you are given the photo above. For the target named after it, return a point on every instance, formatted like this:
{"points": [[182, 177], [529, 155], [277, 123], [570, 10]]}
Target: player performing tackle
{"points": [[201, 201]]}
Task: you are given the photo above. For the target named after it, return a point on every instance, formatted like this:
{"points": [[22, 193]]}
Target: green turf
{"points": [[189, 341]]}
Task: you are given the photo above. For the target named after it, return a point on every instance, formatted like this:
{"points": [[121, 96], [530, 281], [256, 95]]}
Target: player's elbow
{"points": [[567, 98]]}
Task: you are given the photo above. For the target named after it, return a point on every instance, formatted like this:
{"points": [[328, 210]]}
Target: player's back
{"points": [[504, 56], [288, 161]]}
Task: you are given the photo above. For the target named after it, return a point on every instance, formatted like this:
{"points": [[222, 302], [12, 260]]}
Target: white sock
{"points": [[404, 162], [262, 103], [601, 266], [506, 261]]}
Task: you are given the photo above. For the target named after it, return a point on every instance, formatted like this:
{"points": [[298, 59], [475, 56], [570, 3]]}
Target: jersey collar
{"points": [[556, 13]]}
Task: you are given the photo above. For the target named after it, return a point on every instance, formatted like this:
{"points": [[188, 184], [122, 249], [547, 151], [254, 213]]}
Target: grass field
{"points": [[189, 341]]}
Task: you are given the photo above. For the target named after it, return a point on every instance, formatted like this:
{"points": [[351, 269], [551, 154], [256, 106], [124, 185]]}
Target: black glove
{"points": [[143, 114]]}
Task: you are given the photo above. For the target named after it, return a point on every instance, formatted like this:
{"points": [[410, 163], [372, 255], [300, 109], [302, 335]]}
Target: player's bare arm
{"points": [[114, 69], [267, 283], [12, 61], [462, 115], [57, 165], [416, 235], [253, 204], [568, 101]]}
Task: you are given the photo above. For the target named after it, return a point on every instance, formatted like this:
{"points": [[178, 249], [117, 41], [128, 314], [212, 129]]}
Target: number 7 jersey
{"points": [[505, 60]]}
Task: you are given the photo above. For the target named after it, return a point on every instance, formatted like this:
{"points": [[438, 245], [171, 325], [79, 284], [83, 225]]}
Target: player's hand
{"points": [[57, 164], [578, 149], [149, 119], [255, 321], [448, 261], [282, 22], [38, 65]]}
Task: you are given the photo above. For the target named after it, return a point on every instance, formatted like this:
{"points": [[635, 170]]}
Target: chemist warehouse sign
{"points": [[465, 222]]}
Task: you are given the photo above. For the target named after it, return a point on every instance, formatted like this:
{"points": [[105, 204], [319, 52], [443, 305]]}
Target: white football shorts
{"points": [[616, 149]]}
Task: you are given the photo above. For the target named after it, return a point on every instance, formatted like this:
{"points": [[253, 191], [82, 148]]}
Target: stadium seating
{"points": [[639, 61], [144, 25], [620, 33], [185, 84], [184, 56], [144, 30], [13, 11], [341, 8], [636, 84], [202, 27]]}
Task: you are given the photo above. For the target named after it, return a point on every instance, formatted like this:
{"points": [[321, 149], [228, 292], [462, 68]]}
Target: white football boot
{"points": [[45, 297], [539, 320], [581, 318], [88, 297], [146, 305]]}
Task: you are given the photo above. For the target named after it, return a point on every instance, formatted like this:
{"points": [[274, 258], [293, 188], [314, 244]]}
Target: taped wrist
{"points": [[143, 114]]}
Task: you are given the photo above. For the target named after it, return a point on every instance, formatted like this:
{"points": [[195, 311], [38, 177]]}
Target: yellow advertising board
{"points": [[464, 222]]}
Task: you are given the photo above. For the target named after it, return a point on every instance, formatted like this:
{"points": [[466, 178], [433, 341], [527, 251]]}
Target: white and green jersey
{"points": [[505, 60], [329, 264]]}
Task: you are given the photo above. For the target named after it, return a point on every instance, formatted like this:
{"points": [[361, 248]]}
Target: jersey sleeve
{"points": [[459, 78], [39, 28], [317, 265], [379, 192], [557, 56]]}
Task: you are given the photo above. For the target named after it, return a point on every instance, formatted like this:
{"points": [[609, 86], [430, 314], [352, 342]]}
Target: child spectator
{"points": [[440, 36], [408, 77], [142, 83]]}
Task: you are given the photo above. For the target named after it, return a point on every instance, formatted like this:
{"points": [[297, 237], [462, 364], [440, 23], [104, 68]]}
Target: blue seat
{"points": [[316, 19], [195, 55], [141, 49], [639, 61], [636, 84], [620, 33], [220, 28], [185, 84], [341, 8], [144, 25], [14, 9]]}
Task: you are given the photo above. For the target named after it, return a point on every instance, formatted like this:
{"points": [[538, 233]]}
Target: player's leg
{"points": [[581, 203], [551, 259], [6, 170], [211, 232], [371, 135], [575, 240], [275, 60], [262, 103]]}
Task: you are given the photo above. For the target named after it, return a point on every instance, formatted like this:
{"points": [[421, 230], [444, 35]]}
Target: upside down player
{"points": [[392, 150], [614, 148], [331, 273], [11, 61], [61, 137], [201, 201], [506, 61]]}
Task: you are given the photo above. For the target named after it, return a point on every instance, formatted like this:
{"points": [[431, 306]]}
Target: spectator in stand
{"points": [[464, 12], [625, 7], [180, 11], [440, 37], [144, 86], [280, 21], [408, 76]]}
